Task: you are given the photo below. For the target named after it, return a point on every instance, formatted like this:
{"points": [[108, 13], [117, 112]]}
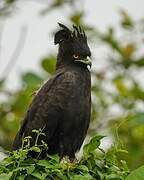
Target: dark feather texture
{"points": [[62, 105]]}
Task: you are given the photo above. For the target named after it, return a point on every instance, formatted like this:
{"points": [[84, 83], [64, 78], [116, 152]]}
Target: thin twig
{"points": [[1, 31]]}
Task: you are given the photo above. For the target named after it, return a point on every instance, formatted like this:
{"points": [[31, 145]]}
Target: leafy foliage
{"points": [[95, 164], [48, 64], [6, 7], [137, 174]]}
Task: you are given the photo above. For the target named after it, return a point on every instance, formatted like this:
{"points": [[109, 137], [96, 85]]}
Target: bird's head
{"points": [[73, 47]]}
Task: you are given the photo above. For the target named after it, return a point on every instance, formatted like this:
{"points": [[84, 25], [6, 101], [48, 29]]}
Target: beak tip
{"points": [[90, 65]]}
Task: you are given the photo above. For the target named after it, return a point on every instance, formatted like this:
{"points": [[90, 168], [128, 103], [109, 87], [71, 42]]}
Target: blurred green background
{"points": [[117, 88]]}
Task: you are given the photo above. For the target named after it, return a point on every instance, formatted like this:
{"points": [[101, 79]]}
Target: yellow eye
{"points": [[75, 56]]}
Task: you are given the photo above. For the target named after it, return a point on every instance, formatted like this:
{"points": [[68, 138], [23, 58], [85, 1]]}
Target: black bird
{"points": [[62, 105]]}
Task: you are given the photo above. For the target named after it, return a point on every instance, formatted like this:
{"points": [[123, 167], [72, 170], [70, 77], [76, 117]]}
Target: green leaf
{"points": [[48, 64], [128, 50], [113, 177], [139, 62], [121, 154], [138, 118], [83, 168], [10, 1], [112, 41], [31, 79], [93, 144], [49, 163], [81, 177], [5, 176], [137, 174], [37, 175], [121, 86], [21, 177], [36, 149], [55, 4], [43, 163], [2, 81], [76, 18], [54, 157], [126, 20], [30, 169]]}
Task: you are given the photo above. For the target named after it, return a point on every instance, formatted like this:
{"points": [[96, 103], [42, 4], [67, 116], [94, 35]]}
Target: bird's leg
{"points": [[64, 160], [73, 159], [66, 163], [69, 159], [61, 151]]}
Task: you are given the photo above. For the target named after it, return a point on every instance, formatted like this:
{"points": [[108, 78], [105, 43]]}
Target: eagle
{"points": [[62, 106]]}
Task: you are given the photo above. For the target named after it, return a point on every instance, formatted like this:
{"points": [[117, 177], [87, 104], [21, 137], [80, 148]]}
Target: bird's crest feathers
{"points": [[65, 34], [78, 32]]}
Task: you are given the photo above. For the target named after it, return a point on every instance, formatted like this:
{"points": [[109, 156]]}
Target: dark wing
{"points": [[46, 107]]}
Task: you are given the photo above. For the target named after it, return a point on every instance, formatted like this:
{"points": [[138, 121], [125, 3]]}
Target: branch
{"points": [[1, 31], [16, 53]]}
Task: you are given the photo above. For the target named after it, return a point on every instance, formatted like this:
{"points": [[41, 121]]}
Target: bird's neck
{"points": [[63, 61]]}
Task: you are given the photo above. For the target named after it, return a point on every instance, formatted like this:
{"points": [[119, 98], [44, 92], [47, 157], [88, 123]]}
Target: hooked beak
{"points": [[86, 61]]}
